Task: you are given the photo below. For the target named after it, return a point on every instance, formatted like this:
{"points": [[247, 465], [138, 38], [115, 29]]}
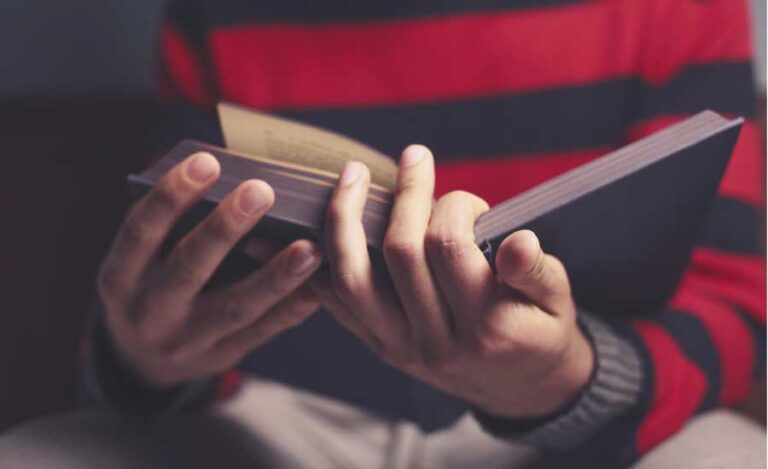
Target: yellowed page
{"points": [[280, 139]]}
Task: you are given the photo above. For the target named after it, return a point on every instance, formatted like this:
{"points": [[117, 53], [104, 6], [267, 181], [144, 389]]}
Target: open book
{"points": [[624, 224]]}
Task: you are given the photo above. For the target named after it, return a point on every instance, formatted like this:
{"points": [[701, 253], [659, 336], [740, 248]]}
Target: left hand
{"points": [[508, 342]]}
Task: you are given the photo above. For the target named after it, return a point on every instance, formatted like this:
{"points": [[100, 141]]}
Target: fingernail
{"points": [[412, 155], [351, 173], [301, 261], [202, 167], [252, 198]]}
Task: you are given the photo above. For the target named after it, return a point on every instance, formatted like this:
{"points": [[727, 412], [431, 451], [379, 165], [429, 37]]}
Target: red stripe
{"points": [[401, 61], [183, 69], [731, 338], [734, 278], [228, 384], [467, 55], [743, 178], [678, 387], [680, 33], [497, 179]]}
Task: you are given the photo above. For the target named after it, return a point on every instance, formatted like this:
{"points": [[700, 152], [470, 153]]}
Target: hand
{"points": [[507, 343], [160, 322]]}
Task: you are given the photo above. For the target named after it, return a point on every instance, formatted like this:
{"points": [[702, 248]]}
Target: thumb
{"points": [[523, 265]]}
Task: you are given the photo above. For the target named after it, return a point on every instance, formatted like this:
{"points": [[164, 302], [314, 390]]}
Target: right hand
{"points": [[160, 322]]}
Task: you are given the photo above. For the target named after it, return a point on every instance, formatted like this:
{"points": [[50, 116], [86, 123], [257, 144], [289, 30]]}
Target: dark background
{"points": [[76, 113]]}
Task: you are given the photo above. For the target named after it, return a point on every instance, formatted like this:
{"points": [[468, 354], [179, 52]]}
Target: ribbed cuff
{"points": [[614, 389], [109, 380]]}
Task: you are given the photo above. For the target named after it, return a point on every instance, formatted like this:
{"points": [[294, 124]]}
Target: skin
{"points": [[507, 342], [161, 324]]}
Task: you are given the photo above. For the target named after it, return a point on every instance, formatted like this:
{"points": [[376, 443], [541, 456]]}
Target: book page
{"points": [[281, 139]]}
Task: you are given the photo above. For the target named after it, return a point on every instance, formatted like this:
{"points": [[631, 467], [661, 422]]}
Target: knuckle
{"points": [[403, 251], [183, 270], [347, 285], [537, 272], [273, 280], [164, 198], [558, 269], [232, 312], [221, 227], [137, 232], [440, 243]]}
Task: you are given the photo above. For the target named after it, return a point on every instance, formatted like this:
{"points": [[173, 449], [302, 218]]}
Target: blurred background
{"points": [[75, 114]]}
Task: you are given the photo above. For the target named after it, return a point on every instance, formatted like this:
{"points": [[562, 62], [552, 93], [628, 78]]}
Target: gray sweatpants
{"points": [[270, 425]]}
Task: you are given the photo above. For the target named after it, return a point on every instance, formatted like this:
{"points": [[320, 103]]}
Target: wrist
{"points": [[576, 369], [553, 388], [612, 390]]}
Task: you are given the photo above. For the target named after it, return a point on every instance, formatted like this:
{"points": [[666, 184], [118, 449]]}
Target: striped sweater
{"points": [[507, 94]]}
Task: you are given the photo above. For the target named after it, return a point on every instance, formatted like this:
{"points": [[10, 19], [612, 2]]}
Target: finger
{"points": [[461, 270], [365, 294], [321, 285], [148, 222], [406, 257], [523, 265], [290, 312], [221, 313], [262, 249], [199, 253]]}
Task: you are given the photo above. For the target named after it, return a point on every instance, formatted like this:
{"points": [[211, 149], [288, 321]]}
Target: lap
{"points": [[269, 425], [717, 439], [264, 425]]}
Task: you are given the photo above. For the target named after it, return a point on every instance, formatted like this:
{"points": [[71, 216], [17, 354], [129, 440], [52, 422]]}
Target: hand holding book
{"points": [[506, 343], [614, 223], [623, 225], [160, 321]]}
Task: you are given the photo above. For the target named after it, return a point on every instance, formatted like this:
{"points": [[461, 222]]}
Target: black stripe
{"points": [[178, 121], [759, 341], [733, 226], [696, 342], [237, 12], [561, 119], [553, 120], [725, 87], [189, 19]]}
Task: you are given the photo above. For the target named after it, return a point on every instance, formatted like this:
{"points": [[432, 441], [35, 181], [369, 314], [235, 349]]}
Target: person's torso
{"points": [[506, 93]]}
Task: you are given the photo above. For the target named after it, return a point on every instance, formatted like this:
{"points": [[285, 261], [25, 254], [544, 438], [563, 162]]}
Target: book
{"points": [[624, 225]]}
